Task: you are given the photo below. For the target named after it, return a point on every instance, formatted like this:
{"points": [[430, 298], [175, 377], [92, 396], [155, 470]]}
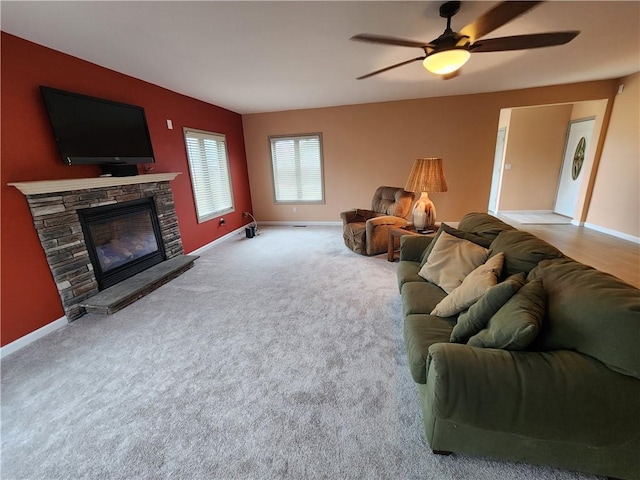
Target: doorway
{"points": [[572, 172], [527, 167]]}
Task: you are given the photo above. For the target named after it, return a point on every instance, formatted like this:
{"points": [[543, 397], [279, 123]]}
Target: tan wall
{"points": [[534, 152], [615, 202], [375, 144]]}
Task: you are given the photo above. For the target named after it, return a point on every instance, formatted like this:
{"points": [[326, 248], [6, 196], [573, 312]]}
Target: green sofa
{"points": [[570, 399]]}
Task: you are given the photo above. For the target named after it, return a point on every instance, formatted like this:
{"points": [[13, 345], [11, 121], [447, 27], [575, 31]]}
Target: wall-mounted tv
{"points": [[91, 130]]}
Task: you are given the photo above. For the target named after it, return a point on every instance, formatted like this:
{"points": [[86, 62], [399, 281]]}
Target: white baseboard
{"points": [[302, 224], [16, 345], [226, 237], [613, 233]]}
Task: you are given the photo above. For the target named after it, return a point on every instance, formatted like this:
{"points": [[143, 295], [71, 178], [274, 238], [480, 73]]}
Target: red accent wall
{"points": [[29, 296]]}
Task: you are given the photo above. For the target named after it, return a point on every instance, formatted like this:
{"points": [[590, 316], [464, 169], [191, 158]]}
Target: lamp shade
{"points": [[427, 175]]}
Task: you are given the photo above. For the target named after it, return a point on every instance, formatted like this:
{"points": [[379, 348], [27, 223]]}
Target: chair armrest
{"points": [[387, 220], [357, 215], [548, 395], [412, 246]]}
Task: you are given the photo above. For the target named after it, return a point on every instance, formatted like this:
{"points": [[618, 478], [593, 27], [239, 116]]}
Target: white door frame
{"points": [[497, 172]]}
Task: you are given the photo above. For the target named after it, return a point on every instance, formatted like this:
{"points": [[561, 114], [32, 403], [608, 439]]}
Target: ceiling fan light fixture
{"points": [[446, 61]]}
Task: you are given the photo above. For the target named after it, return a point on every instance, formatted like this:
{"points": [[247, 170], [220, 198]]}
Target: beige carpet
{"points": [[277, 357]]}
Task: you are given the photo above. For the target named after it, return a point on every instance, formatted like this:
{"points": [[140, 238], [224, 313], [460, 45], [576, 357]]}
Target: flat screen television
{"points": [[91, 130]]}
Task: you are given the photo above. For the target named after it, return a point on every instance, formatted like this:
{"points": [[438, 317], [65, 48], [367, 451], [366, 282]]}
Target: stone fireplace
{"points": [[98, 232]]}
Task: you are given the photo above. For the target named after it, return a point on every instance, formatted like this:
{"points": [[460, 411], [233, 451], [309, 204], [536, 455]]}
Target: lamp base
{"points": [[424, 213]]}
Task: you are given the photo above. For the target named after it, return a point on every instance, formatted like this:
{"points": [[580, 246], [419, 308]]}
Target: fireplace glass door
{"points": [[123, 239]]}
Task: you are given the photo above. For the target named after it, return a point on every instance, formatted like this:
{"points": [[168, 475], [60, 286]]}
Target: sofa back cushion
{"points": [[522, 251], [591, 312], [483, 225]]}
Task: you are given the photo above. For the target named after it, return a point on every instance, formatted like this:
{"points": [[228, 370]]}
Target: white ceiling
{"points": [[265, 56]]}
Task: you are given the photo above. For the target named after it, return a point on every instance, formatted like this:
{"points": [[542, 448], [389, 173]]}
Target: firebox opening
{"points": [[122, 239]]}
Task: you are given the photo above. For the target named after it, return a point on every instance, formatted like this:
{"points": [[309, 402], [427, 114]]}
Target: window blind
{"points": [[297, 169], [210, 178]]}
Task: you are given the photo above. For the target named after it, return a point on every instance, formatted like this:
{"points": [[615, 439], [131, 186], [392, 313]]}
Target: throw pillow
{"points": [[472, 288], [517, 323], [476, 318], [478, 240], [451, 260]]}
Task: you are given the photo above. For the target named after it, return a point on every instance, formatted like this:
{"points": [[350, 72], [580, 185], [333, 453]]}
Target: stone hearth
{"points": [[54, 206]]}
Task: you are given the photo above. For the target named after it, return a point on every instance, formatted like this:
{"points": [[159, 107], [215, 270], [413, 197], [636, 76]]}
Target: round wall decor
{"points": [[578, 158]]}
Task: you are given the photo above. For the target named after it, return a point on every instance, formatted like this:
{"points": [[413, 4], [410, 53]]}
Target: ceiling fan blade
{"points": [[391, 67], [496, 17], [522, 42], [384, 40]]}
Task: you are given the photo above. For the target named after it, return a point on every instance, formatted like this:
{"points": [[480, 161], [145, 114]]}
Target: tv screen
{"points": [[91, 130]]}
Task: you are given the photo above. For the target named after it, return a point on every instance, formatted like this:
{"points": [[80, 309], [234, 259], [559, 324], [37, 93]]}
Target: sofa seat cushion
{"points": [[558, 396], [408, 272], [420, 297], [591, 312], [420, 332], [522, 251]]}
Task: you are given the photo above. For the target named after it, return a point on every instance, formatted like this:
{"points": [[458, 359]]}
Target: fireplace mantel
{"points": [[69, 185]]}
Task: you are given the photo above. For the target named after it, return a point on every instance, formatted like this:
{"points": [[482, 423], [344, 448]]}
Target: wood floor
{"points": [[604, 252]]}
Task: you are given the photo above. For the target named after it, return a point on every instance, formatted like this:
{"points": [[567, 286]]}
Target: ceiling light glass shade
{"points": [[446, 61]]}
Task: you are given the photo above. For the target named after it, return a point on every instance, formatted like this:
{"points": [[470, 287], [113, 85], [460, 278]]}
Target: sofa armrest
{"points": [[549, 395], [412, 246]]}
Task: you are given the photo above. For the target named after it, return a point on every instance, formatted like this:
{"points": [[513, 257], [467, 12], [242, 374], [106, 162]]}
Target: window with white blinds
{"points": [[297, 168], [210, 178]]}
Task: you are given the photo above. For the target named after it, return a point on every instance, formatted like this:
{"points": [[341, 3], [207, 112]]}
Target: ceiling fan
{"points": [[446, 54]]}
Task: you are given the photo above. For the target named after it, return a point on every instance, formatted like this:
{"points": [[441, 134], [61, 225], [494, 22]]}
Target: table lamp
{"points": [[427, 175]]}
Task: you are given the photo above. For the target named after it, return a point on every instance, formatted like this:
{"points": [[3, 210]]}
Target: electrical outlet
{"points": [[245, 214]]}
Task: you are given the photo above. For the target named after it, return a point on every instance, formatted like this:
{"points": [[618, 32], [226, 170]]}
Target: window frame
{"points": [[270, 140], [216, 213]]}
